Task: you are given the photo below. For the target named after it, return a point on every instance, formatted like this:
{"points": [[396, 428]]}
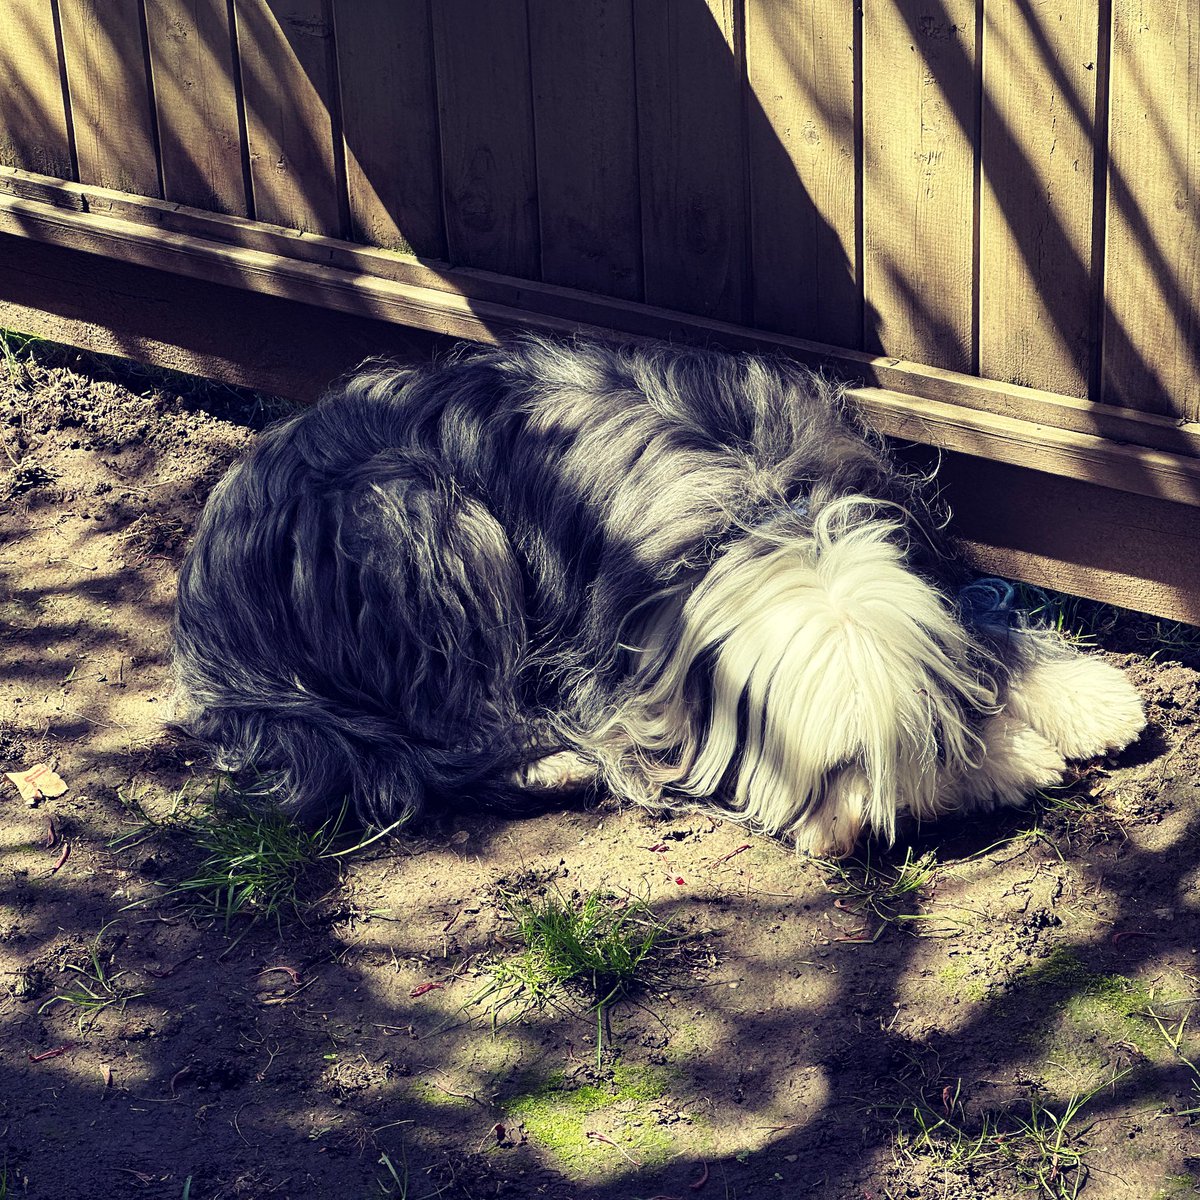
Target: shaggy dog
{"points": [[687, 577]]}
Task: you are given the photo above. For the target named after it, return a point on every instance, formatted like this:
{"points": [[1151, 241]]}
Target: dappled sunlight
{"points": [[917, 179], [920, 101], [1037, 202], [803, 152], [33, 127], [1152, 356]]}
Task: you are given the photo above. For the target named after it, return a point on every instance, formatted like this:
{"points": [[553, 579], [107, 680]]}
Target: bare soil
{"points": [[783, 1055]]}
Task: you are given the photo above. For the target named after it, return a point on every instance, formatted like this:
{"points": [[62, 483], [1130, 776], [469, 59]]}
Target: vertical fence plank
{"points": [[801, 140], [191, 57], [692, 155], [920, 113], [389, 119], [481, 53], [586, 122], [288, 86], [1152, 326], [33, 120], [110, 94], [1039, 75]]}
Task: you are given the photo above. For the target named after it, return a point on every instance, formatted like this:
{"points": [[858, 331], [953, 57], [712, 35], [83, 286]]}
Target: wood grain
{"points": [[1076, 537], [33, 120], [585, 119], [1152, 324], [389, 120], [110, 94], [920, 111], [692, 156], [801, 119], [287, 62], [1040, 75], [283, 347], [489, 179], [191, 56]]}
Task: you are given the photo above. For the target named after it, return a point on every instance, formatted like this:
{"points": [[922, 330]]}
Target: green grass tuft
{"points": [[598, 947], [255, 863], [888, 893], [97, 983], [1042, 1146]]}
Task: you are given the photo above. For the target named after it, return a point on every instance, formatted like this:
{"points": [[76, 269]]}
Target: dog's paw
{"points": [[565, 771], [1082, 705], [1017, 760], [833, 829]]}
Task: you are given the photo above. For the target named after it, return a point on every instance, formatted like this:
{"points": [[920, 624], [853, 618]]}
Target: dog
{"points": [[687, 577]]}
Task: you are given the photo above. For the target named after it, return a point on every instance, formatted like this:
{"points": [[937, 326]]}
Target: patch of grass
{"points": [[247, 857], [96, 985], [887, 893], [14, 347], [255, 863], [1173, 1032], [1169, 639], [1078, 620], [1043, 1147], [596, 946], [1073, 816], [1087, 621], [180, 814]]}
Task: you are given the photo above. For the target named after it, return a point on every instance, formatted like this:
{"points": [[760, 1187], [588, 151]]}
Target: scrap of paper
{"points": [[37, 783]]}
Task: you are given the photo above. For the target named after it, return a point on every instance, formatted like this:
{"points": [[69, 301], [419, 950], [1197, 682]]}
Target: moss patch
{"points": [[1176, 1185], [1093, 1012], [967, 980], [560, 1116]]}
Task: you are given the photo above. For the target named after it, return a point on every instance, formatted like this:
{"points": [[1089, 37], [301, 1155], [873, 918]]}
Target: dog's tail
{"points": [[350, 628], [837, 686]]}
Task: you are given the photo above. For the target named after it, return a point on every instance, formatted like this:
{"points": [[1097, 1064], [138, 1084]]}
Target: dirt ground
{"points": [[817, 1019]]}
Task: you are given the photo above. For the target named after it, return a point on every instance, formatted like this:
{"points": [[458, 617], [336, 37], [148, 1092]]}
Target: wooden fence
{"points": [[987, 212]]}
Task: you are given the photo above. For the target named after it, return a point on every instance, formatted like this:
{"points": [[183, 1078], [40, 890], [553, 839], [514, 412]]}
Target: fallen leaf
{"points": [[37, 783]]}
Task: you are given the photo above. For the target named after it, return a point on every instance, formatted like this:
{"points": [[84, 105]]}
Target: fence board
{"points": [[692, 157], [920, 112], [481, 52], [33, 121], [1152, 326], [586, 128], [287, 62], [803, 173], [191, 56], [110, 95], [1039, 71], [389, 119]]}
